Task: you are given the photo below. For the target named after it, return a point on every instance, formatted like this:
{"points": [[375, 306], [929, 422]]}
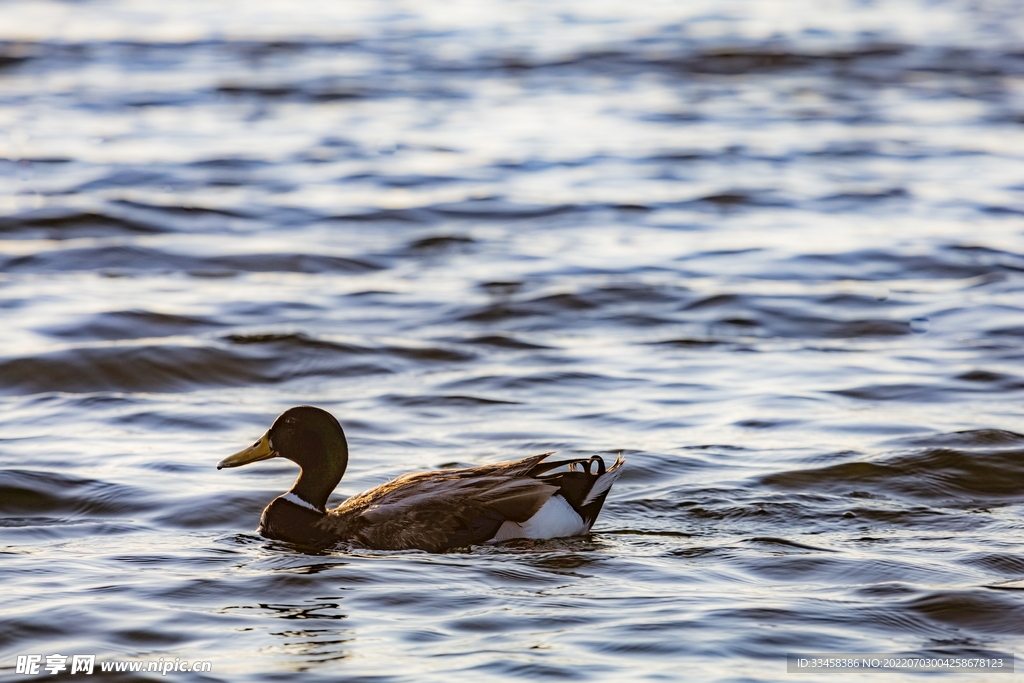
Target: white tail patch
{"points": [[605, 481], [555, 519]]}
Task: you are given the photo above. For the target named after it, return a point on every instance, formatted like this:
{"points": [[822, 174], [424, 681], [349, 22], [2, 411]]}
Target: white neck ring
{"points": [[293, 498]]}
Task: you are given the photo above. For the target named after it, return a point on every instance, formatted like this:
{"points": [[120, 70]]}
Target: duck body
{"points": [[433, 511]]}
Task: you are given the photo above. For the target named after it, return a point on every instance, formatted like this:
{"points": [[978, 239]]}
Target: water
{"points": [[772, 252]]}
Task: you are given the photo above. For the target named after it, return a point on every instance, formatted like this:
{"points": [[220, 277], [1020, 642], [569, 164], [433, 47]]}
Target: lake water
{"points": [[772, 252]]}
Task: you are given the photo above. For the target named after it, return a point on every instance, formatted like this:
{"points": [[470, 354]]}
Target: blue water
{"points": [[772, 252]]}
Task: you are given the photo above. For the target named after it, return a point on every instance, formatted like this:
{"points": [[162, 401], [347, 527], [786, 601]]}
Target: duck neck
{"points": [[318, 477]]}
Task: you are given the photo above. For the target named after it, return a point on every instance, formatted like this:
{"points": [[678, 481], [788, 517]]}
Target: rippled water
{"points": [[773, 252]]}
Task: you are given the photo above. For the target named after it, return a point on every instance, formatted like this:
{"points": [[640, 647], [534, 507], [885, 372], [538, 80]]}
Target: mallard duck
{"points": [[432, 511]]}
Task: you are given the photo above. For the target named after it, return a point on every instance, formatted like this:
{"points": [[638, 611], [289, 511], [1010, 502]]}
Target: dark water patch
{"points": [[849, 198], [639, 320], [689, 343], [1006, 564], [498, 209], [439, 243], [857, 301], [37, 492], [733, 61], [634, 293], [30, 161], [168, 421], [942, 475], [967, 439], [172, 368], [26, 532], [496, 313], [680, 155], [127, 177], [1002, 210], [995, 381], [553, 380], [721, 61], [787, 545], [847, 150], [14, 54], [866, 328], [788, 317], [765, 424], [674, 118], [287, 343], [886, 589], [874, 264], [638, 208], [254, 48], [1012, 332], [429, 353], [11, 304], [896, 392], [913, 516], [435, 401], [502, 342], [413, 180], [225, 510], [98, 258], [57, 224], [134, 324], [295, 341], [786, 567], [989, 256], [782, 322], [35, 521], [147, 368], [594, 304], [187, 210], [231, 163], [149, 638], [713, 301], [129, 259], [293, 263], [379, 215], [292, 91], [976, 611], [502, 288], [702, 509], [30, 628], [728, 199], [563, 302], [790, 566]]}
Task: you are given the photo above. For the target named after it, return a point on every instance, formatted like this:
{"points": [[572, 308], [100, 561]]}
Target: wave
{"points": [[130, 258], [941, 476], [239, 360]]}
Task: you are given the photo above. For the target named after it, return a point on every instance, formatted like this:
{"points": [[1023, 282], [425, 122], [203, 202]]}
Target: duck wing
{"points": [[443, 509]]}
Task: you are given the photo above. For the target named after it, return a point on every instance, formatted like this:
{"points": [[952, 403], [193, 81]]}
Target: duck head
{"points": [[311, 438]]}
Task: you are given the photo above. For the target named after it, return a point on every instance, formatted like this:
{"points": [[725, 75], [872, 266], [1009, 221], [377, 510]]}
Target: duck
{"points": [[433, 511]]}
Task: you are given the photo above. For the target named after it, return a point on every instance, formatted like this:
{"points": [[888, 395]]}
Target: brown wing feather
{"points": [[441, 509]]}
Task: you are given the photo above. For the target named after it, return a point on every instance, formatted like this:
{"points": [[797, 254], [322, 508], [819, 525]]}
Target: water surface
{"points": [[773, 253]]}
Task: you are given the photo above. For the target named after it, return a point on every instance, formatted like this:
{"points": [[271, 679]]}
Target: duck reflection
{"points": [[317, 643]]}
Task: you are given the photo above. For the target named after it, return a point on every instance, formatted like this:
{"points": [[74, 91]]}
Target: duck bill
{"points": [[261, 450]]}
